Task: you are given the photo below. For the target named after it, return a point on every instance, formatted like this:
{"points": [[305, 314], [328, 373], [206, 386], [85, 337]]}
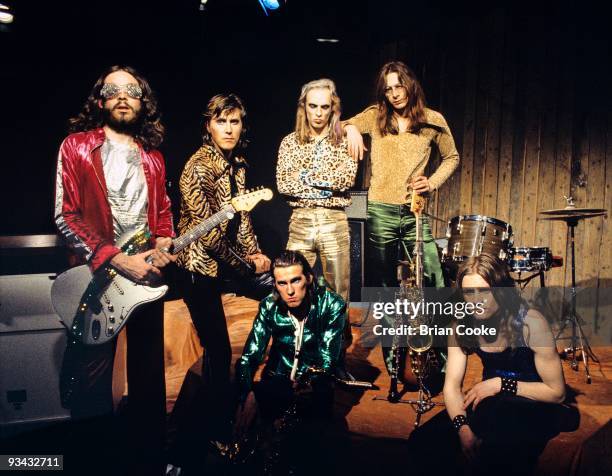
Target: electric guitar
{"points": [[95, 306]]}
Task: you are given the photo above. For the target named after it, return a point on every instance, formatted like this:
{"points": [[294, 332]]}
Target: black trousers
{"points": [[274, 395], [514, 431], [141, 433], [202, 294]]}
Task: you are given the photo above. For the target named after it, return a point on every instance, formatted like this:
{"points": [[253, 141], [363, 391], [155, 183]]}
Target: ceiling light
{"points": [[6, 16]]}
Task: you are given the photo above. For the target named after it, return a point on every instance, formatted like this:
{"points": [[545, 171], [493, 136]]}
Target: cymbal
{"points": [[574, 211], [572, 217]]}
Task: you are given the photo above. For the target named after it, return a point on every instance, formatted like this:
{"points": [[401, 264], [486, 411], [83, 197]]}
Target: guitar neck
{"points": [[200, 230], [419, 249]]}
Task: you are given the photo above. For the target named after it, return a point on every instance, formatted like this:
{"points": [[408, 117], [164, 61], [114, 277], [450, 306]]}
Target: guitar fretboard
{"points": [[203, 228]]}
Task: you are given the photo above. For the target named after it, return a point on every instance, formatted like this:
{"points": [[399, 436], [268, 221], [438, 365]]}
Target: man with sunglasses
{"points": [[110, 183]]}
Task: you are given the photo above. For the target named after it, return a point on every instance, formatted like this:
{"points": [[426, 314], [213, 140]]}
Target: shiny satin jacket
{"points": [[82, 212], [321, 342]]}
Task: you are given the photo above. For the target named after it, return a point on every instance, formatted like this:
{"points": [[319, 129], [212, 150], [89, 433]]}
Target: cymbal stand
{"points": [[578, 340]]}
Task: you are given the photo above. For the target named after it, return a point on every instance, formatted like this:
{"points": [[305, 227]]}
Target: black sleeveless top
{"points": [[515, 363]]}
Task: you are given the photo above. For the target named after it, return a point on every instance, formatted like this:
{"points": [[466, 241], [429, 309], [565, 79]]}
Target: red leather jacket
{"points": [[82, 212]]}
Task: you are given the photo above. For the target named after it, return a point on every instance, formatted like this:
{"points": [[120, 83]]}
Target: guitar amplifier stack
{"points": [[32, 338]]}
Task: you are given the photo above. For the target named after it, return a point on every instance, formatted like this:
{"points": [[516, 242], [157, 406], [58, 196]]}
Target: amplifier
{"points": [[32, 343], [357, 232], [358, 208]]}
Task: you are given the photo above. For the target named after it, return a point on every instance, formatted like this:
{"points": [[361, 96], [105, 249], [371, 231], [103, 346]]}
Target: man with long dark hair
{"points": [[110, 183], [501, 424], [404, 132]]}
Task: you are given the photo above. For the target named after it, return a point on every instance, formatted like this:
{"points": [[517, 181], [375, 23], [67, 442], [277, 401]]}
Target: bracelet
{"points": [[508, 386], [459, 421]]}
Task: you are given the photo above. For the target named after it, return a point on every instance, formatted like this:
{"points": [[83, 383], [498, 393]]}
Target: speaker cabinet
{"points": [[357, 232], [32, 343], [358, 208]]}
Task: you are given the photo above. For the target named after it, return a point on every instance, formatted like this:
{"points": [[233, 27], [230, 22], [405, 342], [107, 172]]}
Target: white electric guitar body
{"points": [[95, 306]]}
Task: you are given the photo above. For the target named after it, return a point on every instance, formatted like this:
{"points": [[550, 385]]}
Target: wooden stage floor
{"points": [[383, 426]]}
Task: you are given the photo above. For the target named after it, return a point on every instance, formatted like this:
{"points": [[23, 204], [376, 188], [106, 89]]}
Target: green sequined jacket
{"points": [[321, 342]]}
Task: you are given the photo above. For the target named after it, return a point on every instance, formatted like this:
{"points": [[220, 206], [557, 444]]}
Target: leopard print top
{"points": [[205, 189], [315, 174]]}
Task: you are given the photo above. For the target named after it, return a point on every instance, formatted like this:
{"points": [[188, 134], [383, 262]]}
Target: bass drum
{"points": [[472, 235], [537, 258]]}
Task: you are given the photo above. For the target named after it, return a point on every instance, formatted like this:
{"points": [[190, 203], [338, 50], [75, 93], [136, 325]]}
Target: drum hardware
{"points": [[528, 259], [523, 282], [472, 235], [578, 340]]}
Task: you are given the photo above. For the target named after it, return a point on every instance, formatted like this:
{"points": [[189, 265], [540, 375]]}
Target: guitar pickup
{"points": [[95, 329]]}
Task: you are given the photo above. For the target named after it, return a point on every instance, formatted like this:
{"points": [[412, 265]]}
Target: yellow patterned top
{"points": [[205, 189], [315, 174], [397, 158]]}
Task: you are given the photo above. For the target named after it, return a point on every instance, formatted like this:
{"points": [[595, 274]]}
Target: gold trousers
{"points": [[324, 232]]}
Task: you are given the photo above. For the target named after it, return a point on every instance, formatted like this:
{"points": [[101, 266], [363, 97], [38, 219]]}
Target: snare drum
{"points": [[530, 259], [472, 235]]}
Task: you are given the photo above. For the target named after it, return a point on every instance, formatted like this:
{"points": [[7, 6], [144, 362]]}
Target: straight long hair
{"points": [[302, 130], [386, 123], [495, 273]]}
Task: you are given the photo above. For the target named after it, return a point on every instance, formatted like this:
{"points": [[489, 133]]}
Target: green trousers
{"points": [[391, 237]]}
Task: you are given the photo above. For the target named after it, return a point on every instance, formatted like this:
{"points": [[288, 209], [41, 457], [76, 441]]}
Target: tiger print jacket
{"points": [[205, 188]]}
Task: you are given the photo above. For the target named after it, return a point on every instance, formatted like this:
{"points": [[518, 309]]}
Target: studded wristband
{"points": [[508, 386], [459, 421]]}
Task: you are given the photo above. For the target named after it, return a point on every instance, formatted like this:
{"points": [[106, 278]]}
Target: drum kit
{"points": [[472, 235]]}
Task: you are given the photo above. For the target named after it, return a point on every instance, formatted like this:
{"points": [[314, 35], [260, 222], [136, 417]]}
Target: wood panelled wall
{"points": [[527, 99]]}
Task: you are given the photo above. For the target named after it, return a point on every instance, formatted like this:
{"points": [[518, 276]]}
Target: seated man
{"points": [[305, 322]]}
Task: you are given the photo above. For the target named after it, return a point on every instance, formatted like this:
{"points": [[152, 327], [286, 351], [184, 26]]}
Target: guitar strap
{"points": [[233, 226]]}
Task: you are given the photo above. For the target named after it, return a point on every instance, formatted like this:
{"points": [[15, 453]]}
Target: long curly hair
{"points": [[301, 124], [149, 131], [495, 273], [416, 99]]}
